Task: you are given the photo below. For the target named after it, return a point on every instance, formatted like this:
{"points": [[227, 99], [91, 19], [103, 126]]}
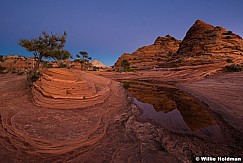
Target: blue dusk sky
{"points": [[108, 28]]}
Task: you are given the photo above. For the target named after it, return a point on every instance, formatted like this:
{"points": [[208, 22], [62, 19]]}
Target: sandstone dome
{"points": [[65, 89]]}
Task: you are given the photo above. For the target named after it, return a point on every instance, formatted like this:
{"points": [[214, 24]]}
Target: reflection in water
{"points": [[172, 120], [174, 109]]}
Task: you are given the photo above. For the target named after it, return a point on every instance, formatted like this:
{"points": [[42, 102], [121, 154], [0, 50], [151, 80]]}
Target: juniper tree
{"points": [[84, 59], [45, 46]]}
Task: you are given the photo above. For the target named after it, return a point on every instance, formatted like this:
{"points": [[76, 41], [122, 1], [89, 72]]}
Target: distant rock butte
{"points": [[66, 89], [97, 63], [153, 55]]}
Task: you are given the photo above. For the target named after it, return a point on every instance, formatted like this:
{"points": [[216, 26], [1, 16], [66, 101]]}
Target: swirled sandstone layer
{"points": [[107, 132], [65, 89]]}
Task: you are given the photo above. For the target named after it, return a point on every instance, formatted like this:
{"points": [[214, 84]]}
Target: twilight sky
{"points": [[108, 28]]}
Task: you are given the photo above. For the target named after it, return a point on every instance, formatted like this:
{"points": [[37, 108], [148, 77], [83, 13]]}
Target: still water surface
{"points": [[174, 110]]}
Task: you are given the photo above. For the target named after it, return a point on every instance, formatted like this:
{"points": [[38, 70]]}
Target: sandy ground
{"points": [[109, 132]]}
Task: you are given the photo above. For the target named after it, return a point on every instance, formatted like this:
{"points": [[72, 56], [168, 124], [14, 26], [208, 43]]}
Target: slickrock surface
{"points": [[107, 132], [223, 93], [65, 89], [30, 133], [153, 55], [174, 75], [205, 44]]}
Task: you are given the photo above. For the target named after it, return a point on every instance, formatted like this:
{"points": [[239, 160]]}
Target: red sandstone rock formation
{"points": [[205, 44], [97, 63], [17, 64], [65, 89], [153, 55]]}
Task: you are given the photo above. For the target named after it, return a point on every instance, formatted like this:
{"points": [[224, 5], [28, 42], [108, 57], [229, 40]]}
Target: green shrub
{"points": [[36, 77], [234, 68], [126, 85]]}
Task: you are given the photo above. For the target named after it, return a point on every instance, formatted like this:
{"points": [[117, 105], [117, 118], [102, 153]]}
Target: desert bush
{"points": [[47, 65], [20, 73], [36, 76], [2, 68], [77, 60], [1, 58], [234, 68], [229, 60], [208, 31], [125, 63], [126, 85], [230, 32], [96, 68], [228, 37], [62, 65]]}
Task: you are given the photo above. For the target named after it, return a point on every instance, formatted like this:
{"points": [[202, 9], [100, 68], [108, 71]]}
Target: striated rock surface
{"points": [[151, 56], [205, 44], [108, 132], [64, 88]]}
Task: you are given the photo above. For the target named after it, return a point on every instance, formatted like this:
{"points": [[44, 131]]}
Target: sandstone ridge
{"points": [[153, 55]]}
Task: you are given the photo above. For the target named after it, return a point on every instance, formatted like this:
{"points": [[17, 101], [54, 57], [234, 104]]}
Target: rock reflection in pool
{"points": [[174, 109]]}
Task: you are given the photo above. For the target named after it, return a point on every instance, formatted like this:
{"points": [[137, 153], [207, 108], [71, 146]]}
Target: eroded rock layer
{"points": [[107, 132], [63, 88], [151, 56]]}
